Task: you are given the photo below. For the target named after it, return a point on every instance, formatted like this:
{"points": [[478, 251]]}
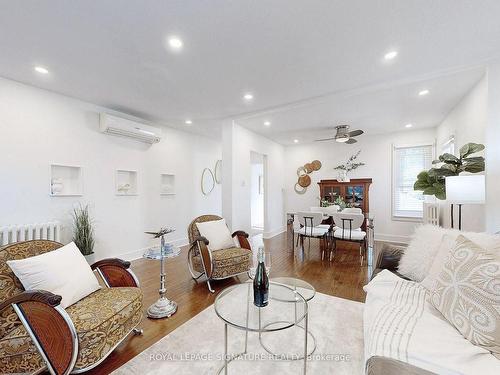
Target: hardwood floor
{"points": [[343, 277]]}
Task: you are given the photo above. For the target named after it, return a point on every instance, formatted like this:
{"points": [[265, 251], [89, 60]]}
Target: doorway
{"points": [[257, 192]]}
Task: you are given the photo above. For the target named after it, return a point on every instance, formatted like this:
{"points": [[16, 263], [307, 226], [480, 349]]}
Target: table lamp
{"points": [[467, 189]]}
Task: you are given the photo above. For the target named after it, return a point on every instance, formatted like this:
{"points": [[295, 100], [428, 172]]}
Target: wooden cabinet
{"points": [[356, 192]]}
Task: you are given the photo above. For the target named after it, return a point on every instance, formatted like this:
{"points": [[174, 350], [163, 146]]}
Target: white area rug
{"points": [[197, 347]]}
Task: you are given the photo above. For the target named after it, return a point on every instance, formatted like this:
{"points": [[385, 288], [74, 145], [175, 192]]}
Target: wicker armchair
{"points": [[36, 333], [216, 264]]}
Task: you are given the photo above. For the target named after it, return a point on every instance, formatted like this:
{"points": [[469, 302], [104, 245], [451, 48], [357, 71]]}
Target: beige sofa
{"points": [[404, 333]]}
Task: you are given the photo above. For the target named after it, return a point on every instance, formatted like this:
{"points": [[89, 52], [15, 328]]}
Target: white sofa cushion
{"points": [[217, 233], [424, 245], [63, 271], [467, 293], [399, 323], [313, 232], [356, 235]]}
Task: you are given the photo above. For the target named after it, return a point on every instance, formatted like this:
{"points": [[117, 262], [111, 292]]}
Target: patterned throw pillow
{"points": [[467, 293]]}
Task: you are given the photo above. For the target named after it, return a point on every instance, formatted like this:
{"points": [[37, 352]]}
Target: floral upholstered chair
{"points": [[217, 264], [36, 333]]}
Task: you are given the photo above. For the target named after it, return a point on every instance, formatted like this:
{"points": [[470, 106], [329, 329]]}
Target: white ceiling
{"points": [[113, 53], [375, 110]]}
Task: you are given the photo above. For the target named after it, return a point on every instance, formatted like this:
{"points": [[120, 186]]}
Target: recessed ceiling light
{"points": [[175, 43], [408, 125], [390, 55], [188, 122], [423, 92], [41, 69], [267, 123], [248, 96], [295, 141]]}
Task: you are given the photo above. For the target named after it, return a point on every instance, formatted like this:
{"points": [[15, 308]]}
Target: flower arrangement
{"points": [[350, 165], [339, 201]]}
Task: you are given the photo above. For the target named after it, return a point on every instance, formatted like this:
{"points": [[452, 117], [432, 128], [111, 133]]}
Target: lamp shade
{"points": [[469, 189]]}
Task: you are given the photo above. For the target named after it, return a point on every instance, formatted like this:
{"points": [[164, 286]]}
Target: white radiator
{"points": [[16, 233], [431, 213]]}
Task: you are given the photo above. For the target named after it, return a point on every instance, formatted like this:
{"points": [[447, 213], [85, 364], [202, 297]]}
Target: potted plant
{"points": [[83, 232], [350, 165], [432, 182]]}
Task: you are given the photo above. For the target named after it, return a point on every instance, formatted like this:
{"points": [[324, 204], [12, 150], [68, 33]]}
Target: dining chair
{"points": [[352, 210], [327, 216], [309, 227], [349, 229]]}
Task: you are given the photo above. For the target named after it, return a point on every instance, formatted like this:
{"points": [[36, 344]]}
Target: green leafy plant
{"points": [[432, 182], [339, 201], [323, 202], [83, 231]]}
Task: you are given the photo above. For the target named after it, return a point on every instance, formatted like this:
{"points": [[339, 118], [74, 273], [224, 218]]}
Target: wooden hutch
{"points": [[356, 192]]}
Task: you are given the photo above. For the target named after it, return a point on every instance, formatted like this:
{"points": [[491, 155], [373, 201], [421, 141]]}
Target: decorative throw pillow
{"points": [[419, 255], [447, 244], [425, 244], [467, 293], [217, 234], [63, 271]]}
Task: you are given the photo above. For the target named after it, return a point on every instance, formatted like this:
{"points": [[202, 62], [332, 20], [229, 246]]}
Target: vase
{"points": [[343, 176]]}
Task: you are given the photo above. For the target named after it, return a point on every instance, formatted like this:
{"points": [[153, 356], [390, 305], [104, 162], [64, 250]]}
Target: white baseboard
{"points": [[137, 254], [391, 238], [273, 233]]}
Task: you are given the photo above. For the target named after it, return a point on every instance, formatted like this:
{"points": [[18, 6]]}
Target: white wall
{"points": [[467, 122], [493, 150], [376, 152], [238, 143], [39, 128]]}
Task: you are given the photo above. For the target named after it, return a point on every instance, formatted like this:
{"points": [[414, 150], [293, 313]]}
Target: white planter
{"points": [[90, 258]]}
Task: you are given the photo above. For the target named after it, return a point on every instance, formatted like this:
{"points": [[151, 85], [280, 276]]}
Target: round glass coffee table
{"points": [[308, 292], [286, 308]]}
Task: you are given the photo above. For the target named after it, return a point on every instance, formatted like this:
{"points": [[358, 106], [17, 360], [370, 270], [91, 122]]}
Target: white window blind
{"points": [[408, 162]]}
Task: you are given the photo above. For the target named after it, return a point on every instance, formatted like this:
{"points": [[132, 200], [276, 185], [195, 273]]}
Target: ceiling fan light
{"points": [[342, 139]]}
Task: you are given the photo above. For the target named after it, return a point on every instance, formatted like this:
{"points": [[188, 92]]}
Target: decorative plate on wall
{"points": [[309, 167], [316, 164], [304, 181]]}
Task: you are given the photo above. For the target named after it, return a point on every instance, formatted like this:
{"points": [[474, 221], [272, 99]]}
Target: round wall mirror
{"points": [[207, 181], [218, 171]]}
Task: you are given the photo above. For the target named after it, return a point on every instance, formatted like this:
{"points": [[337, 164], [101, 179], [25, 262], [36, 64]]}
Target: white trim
{"points": [[383, 237], [411, 219], [137, 254], [273, 233]]}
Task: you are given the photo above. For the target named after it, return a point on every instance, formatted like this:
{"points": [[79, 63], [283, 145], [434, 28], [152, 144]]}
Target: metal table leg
{"points": [[163, 308], [225, 349], [305, 342]]}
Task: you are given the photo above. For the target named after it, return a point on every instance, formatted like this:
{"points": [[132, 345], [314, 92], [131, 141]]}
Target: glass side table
{"points": [[163, 308], [308, 292], [234, 306]]}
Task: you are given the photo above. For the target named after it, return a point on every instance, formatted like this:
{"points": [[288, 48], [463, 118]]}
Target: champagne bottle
{"points": [[261, 282]]}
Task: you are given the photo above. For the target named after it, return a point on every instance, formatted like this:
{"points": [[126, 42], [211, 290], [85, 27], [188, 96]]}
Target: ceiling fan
{"points": [[343, 135]]}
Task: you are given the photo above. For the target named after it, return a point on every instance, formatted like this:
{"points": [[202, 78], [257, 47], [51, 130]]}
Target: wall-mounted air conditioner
{"points": [[113, 125]]}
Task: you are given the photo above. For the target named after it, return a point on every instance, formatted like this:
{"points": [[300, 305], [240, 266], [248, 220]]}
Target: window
{"points": [[449, 146], [407, 163]]}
